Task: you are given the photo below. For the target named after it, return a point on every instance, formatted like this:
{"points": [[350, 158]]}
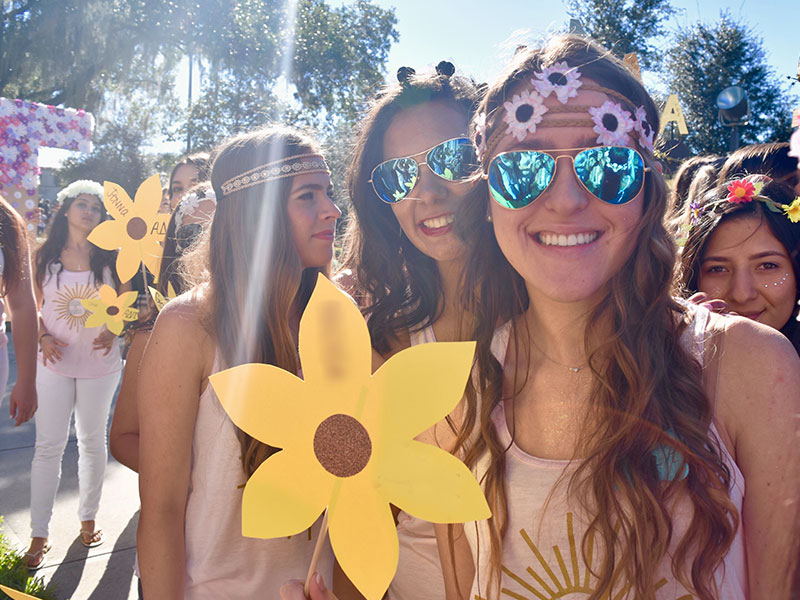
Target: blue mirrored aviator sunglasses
{"points": [[452, 160], [613, 174]]}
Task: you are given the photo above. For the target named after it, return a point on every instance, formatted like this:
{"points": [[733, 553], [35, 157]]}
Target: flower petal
{"points": [[127, 299], [95, 320], [107, 295], [148, 197], [108, 235], [128, 261], [269, 404], [431, 484], [334, 340], [93, 304], [364, 536], [117, 202], [285, 495], [414, 403], [16, 595], [114, 325]]}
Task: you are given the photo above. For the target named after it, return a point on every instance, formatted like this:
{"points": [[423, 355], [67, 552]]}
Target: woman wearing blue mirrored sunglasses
{"points": [[618, 426], [402, 256]]}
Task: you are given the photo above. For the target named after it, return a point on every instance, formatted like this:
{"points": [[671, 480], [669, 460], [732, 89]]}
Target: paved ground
{"points": [[102, 573]]}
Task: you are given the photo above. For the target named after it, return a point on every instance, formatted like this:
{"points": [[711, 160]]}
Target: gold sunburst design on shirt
{"points": [[569, 577], [68, 304]]}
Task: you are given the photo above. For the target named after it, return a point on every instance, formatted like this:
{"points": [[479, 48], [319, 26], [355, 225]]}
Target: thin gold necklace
{"points": [[554, 361]]}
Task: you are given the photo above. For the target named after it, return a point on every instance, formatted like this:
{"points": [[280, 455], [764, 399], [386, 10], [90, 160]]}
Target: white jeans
{"points": [[58, 396]]}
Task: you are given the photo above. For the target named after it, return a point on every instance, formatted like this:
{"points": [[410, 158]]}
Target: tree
{"points": [[706, 58], [624, 26], [261, 64]]}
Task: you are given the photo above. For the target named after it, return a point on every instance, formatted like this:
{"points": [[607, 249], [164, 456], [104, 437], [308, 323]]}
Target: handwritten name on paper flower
{"points": [[159, 298], [347, 439], [136, 227], [110, 310]]}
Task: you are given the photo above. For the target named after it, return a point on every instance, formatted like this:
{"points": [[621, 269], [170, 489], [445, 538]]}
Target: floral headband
{"points": [[82, 186], [740, 191], [190, 203], [525, 111]]}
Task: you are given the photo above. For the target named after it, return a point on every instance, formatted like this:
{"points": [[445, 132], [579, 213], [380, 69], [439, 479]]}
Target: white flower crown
{"points": [[82, 186]]}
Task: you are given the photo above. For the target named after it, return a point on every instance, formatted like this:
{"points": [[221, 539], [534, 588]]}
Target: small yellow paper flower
{"points": [[158, 297], [793, 210], [110, 310], [347, 439], [136, 228]]}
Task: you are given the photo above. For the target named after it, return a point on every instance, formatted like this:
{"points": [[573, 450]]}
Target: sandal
{"points": [[95, 538], [30, 558]]}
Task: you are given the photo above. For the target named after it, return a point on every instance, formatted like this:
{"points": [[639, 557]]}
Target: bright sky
{"points": [[479, 37]]}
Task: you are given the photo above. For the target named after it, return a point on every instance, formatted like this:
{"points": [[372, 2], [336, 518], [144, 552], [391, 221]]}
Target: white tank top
{"points": [[220, 562], [3, 338], [542, 555]]}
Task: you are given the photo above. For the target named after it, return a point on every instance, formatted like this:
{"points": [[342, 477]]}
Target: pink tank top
{"points": [[542, 555], [220, 562], [64, 317]]}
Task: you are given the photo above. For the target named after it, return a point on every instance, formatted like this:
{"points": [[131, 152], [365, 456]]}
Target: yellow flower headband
{"points": [[286, 167]]}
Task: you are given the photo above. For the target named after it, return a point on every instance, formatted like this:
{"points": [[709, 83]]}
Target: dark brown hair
{"points": [[255, 277], [403, 283], [13, 241], [647, 391], [764, 159], [686, 175], [712, 210]]}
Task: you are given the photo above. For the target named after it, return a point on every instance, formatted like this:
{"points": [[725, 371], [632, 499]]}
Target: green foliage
{"points": [[14, 573], [116, 157], [706, 58], [624, 26]]}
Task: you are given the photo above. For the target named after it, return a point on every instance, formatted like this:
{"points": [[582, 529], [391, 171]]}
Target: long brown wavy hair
{"points": [[12, 243], [255, 277], [403, 284], [647, 390]]}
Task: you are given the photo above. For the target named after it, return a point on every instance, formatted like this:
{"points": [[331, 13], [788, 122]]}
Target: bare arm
{"points": [[758, 404], [123, 439], [458, 567], [21, 303], [173, 370]]}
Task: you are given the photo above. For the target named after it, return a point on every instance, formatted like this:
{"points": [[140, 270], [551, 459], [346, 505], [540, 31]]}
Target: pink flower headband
{"points": [[525, 111]]}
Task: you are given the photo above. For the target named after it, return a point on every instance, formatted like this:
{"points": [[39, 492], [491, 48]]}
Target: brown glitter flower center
{"points": [[112, 310], [137, 228], [342, 445]]}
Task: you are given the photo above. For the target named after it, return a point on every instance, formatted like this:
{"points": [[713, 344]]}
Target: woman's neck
{"points": [[558, 329], [77, 240], [448, 326]]}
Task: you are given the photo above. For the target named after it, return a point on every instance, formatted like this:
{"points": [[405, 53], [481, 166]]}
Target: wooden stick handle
{"points": [[323, 531]]}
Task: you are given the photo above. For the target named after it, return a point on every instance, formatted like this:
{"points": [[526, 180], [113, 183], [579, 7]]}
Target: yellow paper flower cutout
{"points": [[793, 210], [136, 227], [16, 594], [158, 297], [110, 310], [347, 439]]}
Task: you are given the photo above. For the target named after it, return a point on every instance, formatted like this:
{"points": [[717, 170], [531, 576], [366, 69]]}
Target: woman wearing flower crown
{"points": [[615, 442], [79, 366], [741, 247], [403, 257], [16, 291], [272, 233]]}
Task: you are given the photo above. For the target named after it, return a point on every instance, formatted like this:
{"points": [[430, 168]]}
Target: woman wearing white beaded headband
{"points": [[269, 239]]}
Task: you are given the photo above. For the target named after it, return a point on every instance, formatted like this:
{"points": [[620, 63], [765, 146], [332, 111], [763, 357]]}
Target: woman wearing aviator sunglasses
{"points": [[402, 256], [615, 442]]}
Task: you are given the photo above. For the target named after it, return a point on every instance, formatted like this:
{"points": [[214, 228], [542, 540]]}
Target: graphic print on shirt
{"points": [[568, 577], [68, 304]]}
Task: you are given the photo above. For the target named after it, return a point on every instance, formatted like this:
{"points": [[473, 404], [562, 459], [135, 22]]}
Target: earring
{"points": [[488, 217]]}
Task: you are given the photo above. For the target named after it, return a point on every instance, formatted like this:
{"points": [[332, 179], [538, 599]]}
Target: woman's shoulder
{"points": [[185, 315]]}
